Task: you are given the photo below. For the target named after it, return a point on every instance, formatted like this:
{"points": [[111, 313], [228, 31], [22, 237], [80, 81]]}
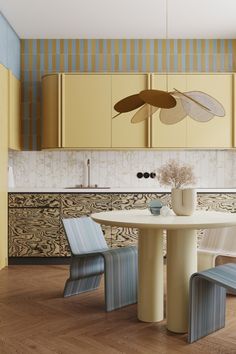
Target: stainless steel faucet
{"points": [[88, 170], [88, 184]]}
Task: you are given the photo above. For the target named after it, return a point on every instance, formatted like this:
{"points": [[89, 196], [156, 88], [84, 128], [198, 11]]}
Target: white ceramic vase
{"points": [[184, 201]]}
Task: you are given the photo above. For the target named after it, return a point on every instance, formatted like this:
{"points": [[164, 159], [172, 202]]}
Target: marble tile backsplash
{"points": [[213, 169]]}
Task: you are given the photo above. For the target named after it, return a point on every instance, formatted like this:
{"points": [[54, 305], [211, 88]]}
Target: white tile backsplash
{"points": [[117, 169]]}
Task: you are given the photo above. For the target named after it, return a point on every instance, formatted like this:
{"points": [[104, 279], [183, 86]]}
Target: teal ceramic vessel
{"points": [[155, 206]]}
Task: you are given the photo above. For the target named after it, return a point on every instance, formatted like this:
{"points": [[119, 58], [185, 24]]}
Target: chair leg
{"points": [[120, 277], [207, 308], [85, 274], [75, 287]]}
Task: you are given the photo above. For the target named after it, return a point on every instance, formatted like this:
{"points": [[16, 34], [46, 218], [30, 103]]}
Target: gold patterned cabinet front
{"points": [[86, 111], [14, 126], [128, 236], [217, 201], [79, 204], [35, 228], [124, 133], [34, 225], [34, 232], [36, 200]]}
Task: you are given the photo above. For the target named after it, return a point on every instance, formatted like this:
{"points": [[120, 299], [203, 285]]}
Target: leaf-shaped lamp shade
{"points": [[200, 106], [129, 103], [143, 113], [174, 115], [196, 112], [213, 106], [158, 98]]}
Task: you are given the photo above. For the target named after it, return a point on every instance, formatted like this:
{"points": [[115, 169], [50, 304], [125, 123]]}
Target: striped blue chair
{"points": [[208, 299], [91, 257]]}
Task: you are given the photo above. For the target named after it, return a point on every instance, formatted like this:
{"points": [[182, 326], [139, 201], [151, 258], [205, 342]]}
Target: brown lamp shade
{"points": [[129, 103], [158, 98]]}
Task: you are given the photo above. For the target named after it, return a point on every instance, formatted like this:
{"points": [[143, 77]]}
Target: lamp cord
{"points": [[167, 36]]}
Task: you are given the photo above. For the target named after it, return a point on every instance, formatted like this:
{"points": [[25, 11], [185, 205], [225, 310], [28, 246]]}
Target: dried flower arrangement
{"points": [[175, 174]]}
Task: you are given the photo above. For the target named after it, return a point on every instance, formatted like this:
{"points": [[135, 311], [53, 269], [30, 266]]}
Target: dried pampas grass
{"points": [[175, 174]]}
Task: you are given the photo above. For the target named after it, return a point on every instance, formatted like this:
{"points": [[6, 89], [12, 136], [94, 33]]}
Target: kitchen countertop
{"points": [[113, 190]]}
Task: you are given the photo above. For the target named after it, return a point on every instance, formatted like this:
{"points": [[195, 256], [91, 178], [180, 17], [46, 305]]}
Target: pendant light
{"points": [[174, 106]]}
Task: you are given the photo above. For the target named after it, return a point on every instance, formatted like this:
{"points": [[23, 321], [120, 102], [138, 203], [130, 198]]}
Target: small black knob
{"points": [[152, 175], [146, 175], [140, 175]]}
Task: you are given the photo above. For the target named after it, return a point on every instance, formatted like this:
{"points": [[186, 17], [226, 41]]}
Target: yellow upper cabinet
{"points": [[86, 111], [78, 112], [189, 133], [3, 163], [218, 132], [51, 111], [124, 133], [14, 127], [163, 135]]}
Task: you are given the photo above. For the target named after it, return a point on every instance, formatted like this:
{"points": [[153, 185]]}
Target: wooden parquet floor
{"points": [[35, 318]]}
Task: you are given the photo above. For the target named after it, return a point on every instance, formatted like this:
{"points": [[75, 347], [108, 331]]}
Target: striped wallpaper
{"points": [[40, 56]]}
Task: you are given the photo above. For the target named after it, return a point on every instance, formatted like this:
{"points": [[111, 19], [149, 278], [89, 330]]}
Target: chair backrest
{"points": [[221, 239], [84, 235]]}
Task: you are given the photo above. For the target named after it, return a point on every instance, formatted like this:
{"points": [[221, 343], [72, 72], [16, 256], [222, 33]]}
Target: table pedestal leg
{"points": [[181, 264], [150, 289]]}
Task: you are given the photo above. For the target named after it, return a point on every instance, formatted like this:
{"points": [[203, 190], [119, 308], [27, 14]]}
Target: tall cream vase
{"points": [[184, 201]]}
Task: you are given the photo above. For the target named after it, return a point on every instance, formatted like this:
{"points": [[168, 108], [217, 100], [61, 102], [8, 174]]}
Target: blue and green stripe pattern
{"points": [[208, 300], [41, 56], [91, 257], [84, 235], [121, 275]]}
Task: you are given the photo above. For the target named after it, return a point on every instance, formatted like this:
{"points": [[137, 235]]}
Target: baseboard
{"points": [[38, 260]]}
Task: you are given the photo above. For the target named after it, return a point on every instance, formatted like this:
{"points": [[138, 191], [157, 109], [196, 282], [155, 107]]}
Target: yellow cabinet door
{"points": [[168, 135], [51, 111], [14, 127], [86, 111], [124, 133], [234, 110], [216, 133], [3, 163]]}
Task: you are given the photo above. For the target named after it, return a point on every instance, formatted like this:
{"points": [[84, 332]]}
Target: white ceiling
{"points": [[121, 18]]}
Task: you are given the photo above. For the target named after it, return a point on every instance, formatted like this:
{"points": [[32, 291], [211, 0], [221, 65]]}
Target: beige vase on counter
{"points": [[184, 201]]}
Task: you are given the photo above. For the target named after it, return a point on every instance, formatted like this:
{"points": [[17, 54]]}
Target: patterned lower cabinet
{"points": [[35, 228], [34, 221], [34, 232]]}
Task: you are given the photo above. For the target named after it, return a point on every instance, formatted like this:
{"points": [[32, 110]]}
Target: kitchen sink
{"points": [[80, 186]]}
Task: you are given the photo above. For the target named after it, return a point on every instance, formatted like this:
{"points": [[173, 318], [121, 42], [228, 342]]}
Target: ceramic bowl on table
{"points": [[155, 206]]}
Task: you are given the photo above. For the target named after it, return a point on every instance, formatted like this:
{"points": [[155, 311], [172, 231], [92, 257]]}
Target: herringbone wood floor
{"points": [[34, 318]]}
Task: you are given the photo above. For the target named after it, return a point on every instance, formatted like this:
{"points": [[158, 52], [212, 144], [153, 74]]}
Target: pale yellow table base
{"points": [[181, 264], [150, 290]]}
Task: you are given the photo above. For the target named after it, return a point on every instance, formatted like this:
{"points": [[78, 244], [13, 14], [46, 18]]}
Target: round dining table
{"points": [[181, 258]]}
